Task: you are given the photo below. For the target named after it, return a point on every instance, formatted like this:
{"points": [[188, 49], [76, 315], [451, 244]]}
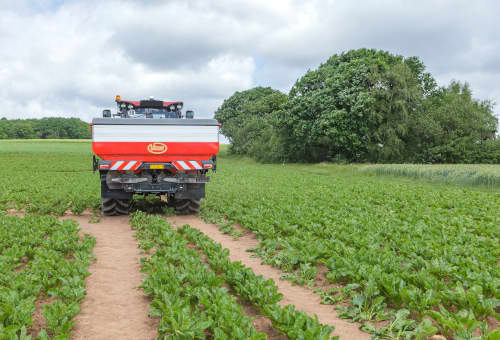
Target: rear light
{"points": [[207, 166], [220, 124], [104, 166]]}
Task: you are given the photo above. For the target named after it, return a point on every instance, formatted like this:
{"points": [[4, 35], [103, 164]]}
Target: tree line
{"points": [[45, 128], [363, 105]]}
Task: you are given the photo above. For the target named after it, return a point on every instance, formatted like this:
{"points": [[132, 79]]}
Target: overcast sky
{"points": [[70, 58]]}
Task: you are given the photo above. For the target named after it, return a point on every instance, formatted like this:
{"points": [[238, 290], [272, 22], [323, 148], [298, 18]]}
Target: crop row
{"points": [[43, 263], [47, 177], [184, 289], [258, 291], [432, 251], [187, 297]]}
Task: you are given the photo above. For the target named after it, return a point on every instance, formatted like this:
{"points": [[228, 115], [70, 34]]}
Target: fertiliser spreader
{"points": [[151, 147]]}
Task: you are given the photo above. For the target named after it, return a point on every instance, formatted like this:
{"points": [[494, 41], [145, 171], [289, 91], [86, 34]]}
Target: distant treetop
{"points": [[45, 128]]}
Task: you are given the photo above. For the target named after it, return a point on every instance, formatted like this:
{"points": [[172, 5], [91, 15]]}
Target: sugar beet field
{"points": [[277, 252]]}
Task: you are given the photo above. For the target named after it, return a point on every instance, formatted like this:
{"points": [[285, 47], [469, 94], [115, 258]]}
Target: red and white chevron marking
{"points": [[188, 165], [125, 165]]}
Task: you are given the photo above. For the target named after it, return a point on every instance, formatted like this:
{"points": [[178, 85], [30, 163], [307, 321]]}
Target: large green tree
{"points": [[357, 106], [363, 105]]}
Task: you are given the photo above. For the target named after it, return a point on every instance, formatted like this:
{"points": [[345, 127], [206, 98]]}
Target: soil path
{"points": [[302, 298], [114, 308]]}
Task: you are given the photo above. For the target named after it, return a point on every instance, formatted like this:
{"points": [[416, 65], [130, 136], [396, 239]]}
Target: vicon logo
{"points": [[157, 148]]}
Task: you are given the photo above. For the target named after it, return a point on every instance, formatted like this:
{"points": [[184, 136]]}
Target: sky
{"points": [[70, 58]]}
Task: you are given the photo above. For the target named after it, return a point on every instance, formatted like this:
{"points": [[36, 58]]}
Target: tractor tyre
{"points": [[187, 206], [113, 207]]}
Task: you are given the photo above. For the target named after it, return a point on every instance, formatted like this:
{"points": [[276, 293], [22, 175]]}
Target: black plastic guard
{"points": [[192, 192], [115, 194]]}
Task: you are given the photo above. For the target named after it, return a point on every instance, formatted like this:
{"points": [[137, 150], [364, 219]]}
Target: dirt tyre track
{"points": [[113, 207], [114, 308]]}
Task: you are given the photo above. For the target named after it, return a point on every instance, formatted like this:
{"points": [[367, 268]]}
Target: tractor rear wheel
{"points": [[187, 206], [112, 207]]}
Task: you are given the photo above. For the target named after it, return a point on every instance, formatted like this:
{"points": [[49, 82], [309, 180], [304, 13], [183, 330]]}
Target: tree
{"points": [[356, 106], [363, 106], [245, 115], [54, 127], [451, 124]]}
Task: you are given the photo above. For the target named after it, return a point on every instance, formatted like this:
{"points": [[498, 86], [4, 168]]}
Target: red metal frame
{"points": [[175, 151]]}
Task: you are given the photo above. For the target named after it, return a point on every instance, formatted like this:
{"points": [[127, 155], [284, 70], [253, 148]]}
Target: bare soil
{"points": [[303, 298], [261, 323], [38, 318], [114, 308]]}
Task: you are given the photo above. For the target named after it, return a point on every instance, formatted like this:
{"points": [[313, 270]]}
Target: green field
{"points": [[396, 244], [43, 263], [48, 176], [486, 175], [177, 276], [407, 251]]}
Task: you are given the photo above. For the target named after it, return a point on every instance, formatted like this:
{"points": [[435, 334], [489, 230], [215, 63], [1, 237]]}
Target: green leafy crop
{"points": [[42, 259], [48, 177], [258, 291], [187, 296], [404, 244]]}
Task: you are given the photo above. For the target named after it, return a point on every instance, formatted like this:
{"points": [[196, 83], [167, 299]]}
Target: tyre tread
{"points": [[113, 207], [187, 206]]}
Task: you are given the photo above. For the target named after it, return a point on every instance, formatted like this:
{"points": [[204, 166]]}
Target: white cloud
{"points": [[71, 58], [63, 62]]}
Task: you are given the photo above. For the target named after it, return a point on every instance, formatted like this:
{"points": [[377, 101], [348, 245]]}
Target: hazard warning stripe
{"points": [[188, 165], [125, 165], [129, 165], [116, 165], [196, 164]]}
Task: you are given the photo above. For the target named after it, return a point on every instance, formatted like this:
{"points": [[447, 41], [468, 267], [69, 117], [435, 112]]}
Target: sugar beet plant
{"points": [[258, 291], [187, 297], [394, 245], [43, 262], [47, 177]]}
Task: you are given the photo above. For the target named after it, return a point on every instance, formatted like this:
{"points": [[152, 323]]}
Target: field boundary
{"points": [[482, 175]]}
